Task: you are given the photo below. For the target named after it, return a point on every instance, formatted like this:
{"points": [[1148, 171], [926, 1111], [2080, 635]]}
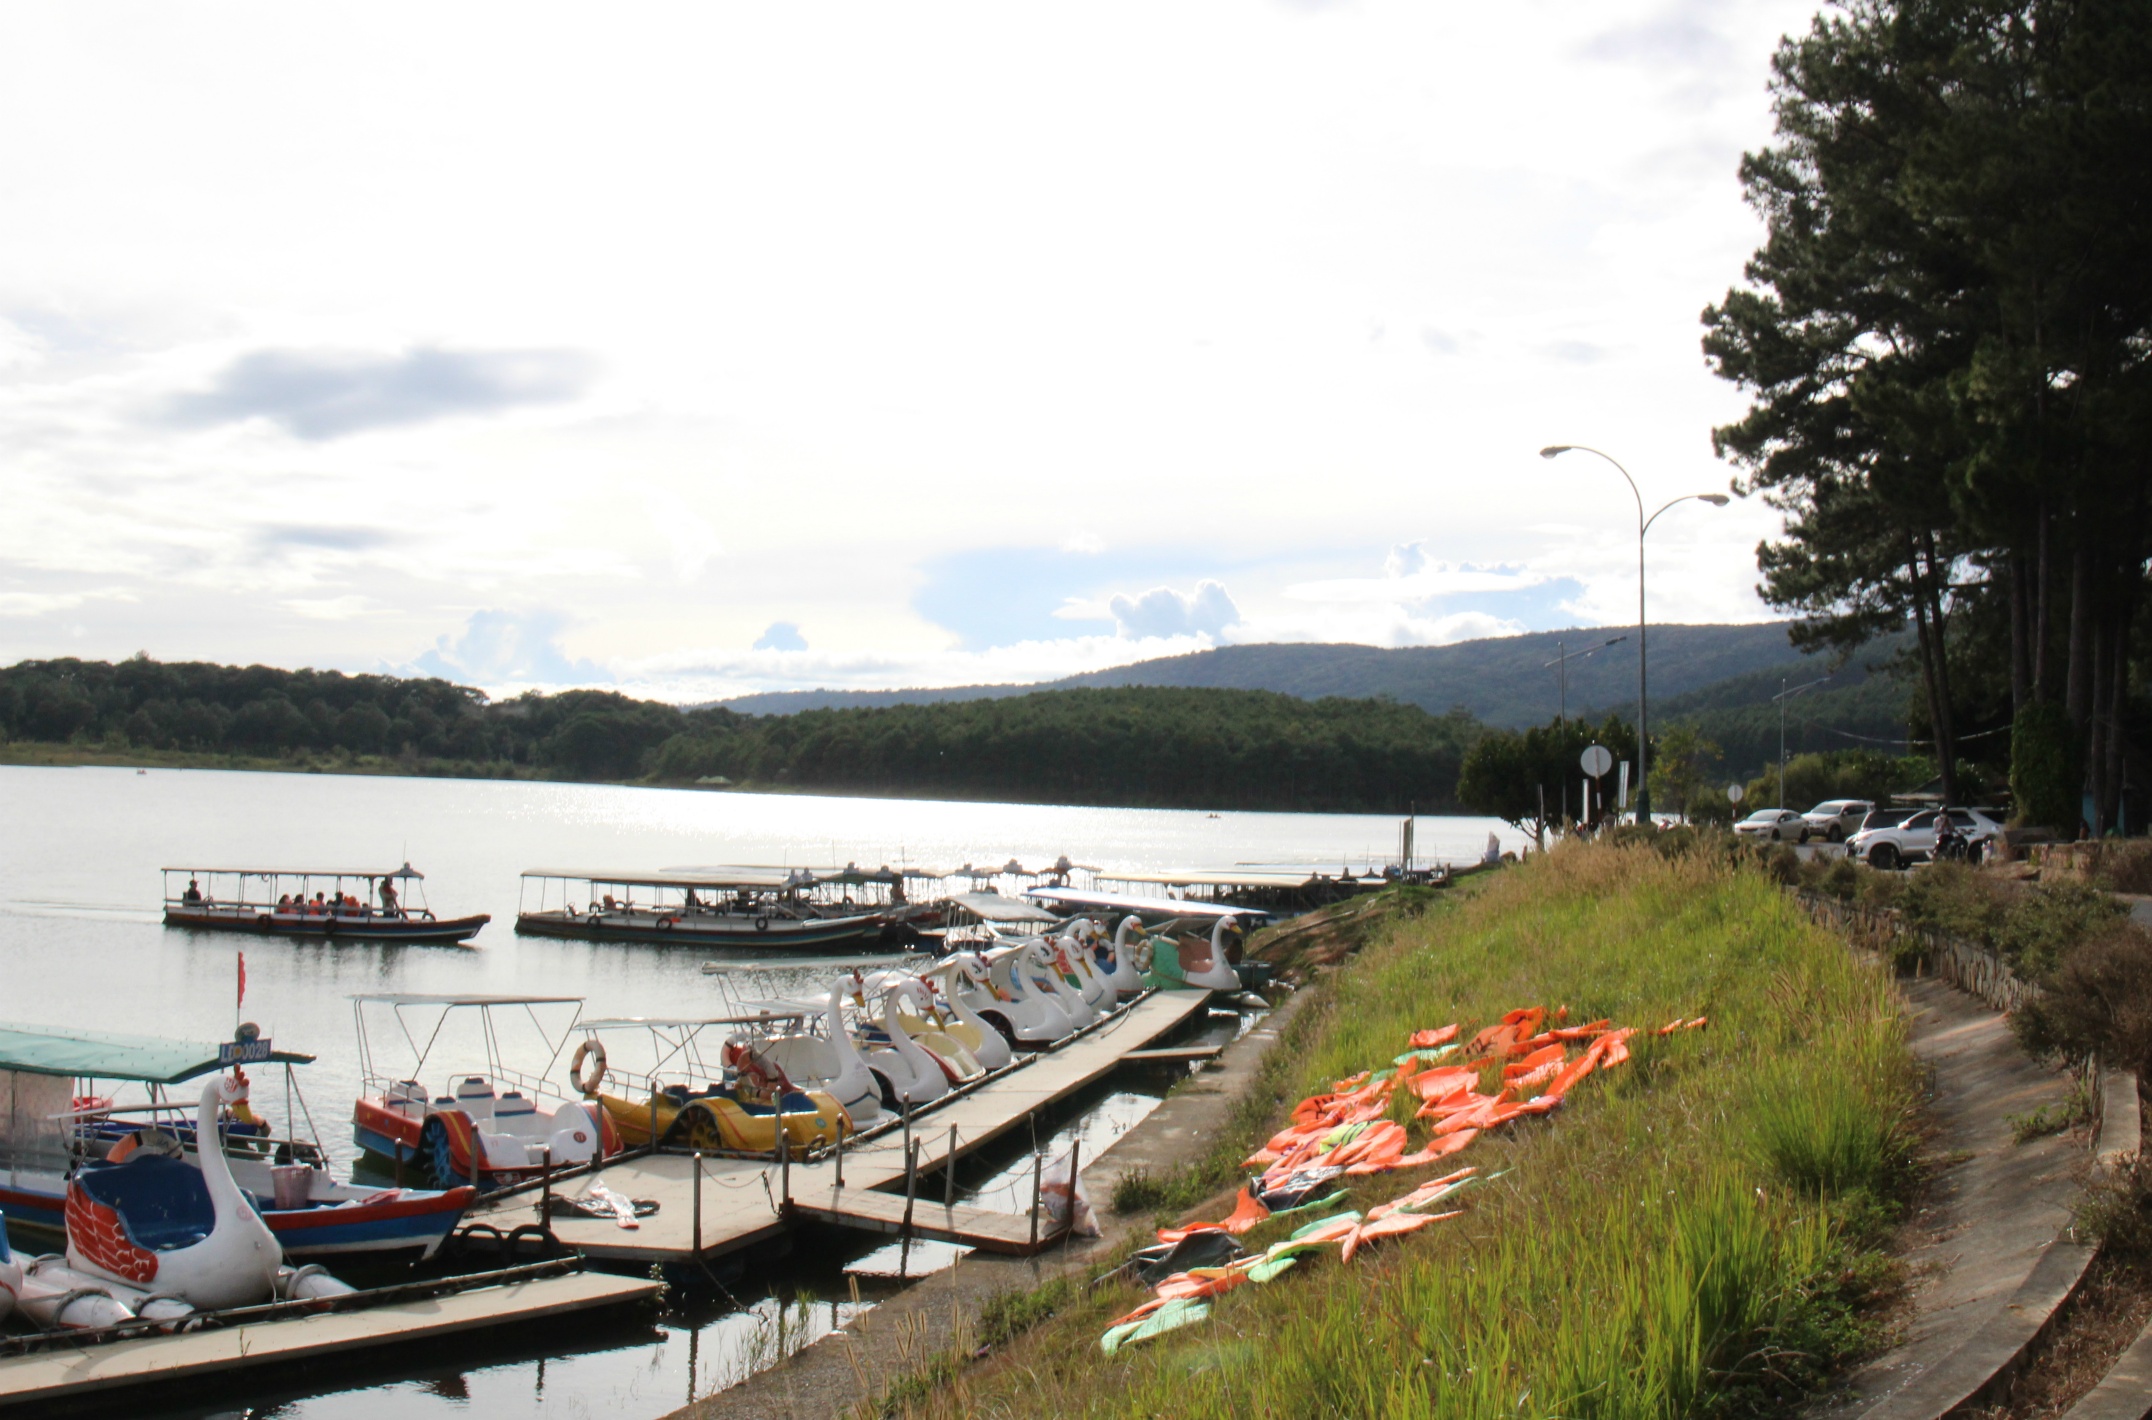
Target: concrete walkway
{"points": [[903, 1333], [1992, 1211]]}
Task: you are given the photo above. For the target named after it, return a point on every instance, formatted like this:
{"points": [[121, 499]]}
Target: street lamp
{"points": [[1782, 697], [1562, 659], [1643, 525]]}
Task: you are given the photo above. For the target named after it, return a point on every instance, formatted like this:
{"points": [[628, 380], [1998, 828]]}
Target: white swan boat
{"points": [[64, 1104], [155, 1224]]}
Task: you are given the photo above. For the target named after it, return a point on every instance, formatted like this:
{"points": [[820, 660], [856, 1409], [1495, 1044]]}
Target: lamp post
{"points": [[1562, 659], [1643, 525], [1782, 697]]}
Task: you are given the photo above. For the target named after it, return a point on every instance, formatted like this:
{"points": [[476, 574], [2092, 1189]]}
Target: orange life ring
{"points": [[593, 1050]]}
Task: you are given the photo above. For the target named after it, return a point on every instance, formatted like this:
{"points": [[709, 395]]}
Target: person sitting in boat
{"points": [[283, 904], [320, 906], [388, 899], [693, 904], [193, 894], [610, 905]]}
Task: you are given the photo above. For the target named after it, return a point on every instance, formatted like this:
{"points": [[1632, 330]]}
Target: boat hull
{"points": [[779, 934], [343, 928], [398, 1224]]}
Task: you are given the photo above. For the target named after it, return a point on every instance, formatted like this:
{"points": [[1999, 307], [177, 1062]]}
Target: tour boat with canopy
{"points": [[327, 903], [761, 909], [63, 1111], [494, 1125]]}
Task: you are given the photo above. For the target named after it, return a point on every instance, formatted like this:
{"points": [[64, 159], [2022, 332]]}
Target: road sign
{"points": [[1596, 760], [1734, 793]]}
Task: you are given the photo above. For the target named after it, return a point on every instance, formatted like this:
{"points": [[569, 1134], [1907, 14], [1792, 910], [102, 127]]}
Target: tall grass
{"points": [[1674, 1242]]}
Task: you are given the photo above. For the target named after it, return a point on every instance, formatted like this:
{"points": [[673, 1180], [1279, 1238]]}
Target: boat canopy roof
{"points": [[406, 871], [678, 877], [1122, 902], [993, 907], [453, 999], [687, 1022], [103, 1055], [1218, 877]]}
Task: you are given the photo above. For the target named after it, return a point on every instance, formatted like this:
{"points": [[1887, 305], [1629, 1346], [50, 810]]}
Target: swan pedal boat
{"points": [[65, 1121]]}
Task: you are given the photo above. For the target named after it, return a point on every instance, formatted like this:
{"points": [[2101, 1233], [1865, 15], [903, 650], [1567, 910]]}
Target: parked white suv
{"points": [[1913, 840], [1837, 819]]}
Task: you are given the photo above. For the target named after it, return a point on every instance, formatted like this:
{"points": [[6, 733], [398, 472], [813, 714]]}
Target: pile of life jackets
{"points": [[1349, 1131]]}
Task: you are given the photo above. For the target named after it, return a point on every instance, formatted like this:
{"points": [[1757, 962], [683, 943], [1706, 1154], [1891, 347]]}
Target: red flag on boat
{"points": [[242, 980]]}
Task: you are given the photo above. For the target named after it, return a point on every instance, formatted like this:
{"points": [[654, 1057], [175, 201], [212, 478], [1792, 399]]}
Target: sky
{"points": [[705, 349]]}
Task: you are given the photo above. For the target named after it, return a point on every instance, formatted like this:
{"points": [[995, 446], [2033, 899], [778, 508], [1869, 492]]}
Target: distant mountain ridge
{"points": [[1502, 680]]}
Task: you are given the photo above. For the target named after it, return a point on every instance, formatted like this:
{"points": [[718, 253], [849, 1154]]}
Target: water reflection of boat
{"points": [[766, 910], [344, 904], [496, 1125], [59, 1115]]}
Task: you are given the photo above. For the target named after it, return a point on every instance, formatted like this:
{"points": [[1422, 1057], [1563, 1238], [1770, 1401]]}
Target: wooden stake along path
{"points": [[40, 1379], [744, 1201]]}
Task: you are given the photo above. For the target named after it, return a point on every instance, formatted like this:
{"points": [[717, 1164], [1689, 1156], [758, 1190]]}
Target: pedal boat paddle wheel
{"points": [[709, 1084], [339, 904], [73, 1101], [762, 910], [493, 1125]]}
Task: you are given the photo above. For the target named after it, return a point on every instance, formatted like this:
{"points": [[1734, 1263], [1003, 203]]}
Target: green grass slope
{"points": [[1695, 1233]]}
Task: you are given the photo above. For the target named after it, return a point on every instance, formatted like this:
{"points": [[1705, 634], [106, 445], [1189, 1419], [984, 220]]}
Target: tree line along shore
{"points": [[1134, 746]]}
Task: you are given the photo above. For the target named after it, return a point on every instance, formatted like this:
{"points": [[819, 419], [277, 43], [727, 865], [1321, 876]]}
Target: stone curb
{"points": [[2125, 1392], [1981, 1368]]}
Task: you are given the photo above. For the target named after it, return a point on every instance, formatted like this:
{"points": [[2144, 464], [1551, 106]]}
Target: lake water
{"points": [[81, 944]]}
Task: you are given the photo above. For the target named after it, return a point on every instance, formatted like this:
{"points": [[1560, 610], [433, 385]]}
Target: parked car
{"points": [[1775, 825], [1837, 819], [1912, 840]]}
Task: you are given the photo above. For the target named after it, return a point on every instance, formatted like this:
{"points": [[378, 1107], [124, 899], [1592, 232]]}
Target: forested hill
{"points": [[1503, 680], [1163, 747]]}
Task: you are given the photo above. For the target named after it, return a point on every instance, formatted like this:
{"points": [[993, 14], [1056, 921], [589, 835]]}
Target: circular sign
{"points": [[1596, 760], [1734, 793]]}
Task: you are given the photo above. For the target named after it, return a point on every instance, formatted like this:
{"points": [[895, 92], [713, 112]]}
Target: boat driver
{"points": [[388, 899], [193, 893]]}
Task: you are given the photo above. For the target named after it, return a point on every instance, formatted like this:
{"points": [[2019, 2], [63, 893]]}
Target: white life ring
{"points": [[593, 1050]]}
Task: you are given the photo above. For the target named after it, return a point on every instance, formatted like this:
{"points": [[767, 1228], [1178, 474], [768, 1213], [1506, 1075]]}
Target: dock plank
{"points": [[884, 1213], [742, 1199], [47, 1376]]}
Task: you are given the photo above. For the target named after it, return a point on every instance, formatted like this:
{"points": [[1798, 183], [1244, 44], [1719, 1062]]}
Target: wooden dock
{"points": [[46, 1376], [715, 1206]]}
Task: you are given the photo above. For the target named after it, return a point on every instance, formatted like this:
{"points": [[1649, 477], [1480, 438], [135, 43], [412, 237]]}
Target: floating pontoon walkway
{"points": [[74, 1370], [740, 1202]]}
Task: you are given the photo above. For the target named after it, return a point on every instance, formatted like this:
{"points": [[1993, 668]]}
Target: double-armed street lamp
{"points": [[1643, 525], [1563, 657], [1782, 697]]}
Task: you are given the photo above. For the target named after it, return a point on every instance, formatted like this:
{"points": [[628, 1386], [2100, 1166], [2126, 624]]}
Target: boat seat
{"points": [[162, 1202], [475, 1098], [505, 1151]]}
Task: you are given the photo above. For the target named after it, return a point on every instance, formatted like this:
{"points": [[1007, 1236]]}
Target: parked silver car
{"points": [[1775, 826], [1836, 820]]}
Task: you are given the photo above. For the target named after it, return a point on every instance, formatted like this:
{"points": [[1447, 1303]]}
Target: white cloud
{"points": [[1411, 575], [1310, 281], [499, 649], [1161, 612]]}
